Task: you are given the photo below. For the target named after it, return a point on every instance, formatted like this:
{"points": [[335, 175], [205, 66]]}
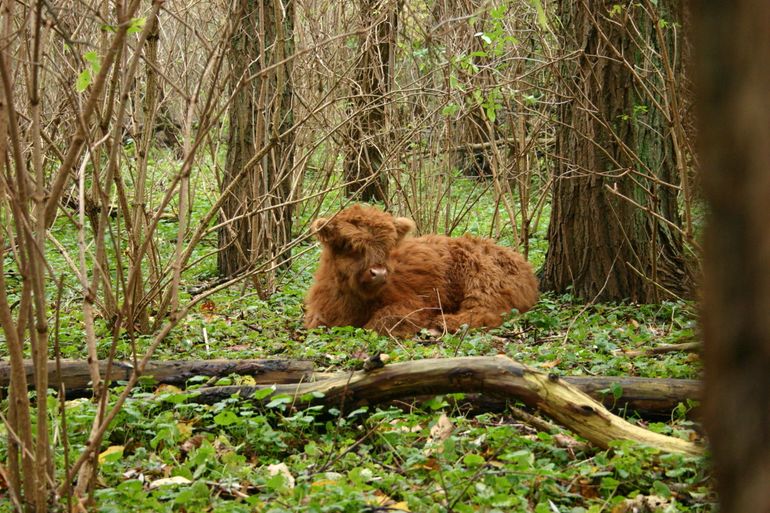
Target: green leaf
{"points": [[463, 508], [262, 393], [498, 13], [454, 82], [436, 403], [93, 59], [278, 483], [137, 24], [542, 19], [83, 81], [279, 400], [357, 412], [131, 487], [677, 472], [661, 489], [609, 483], [360, 475], [312, 450], [450, 109], [192, 494], [226, 418], [473, 460], [491, 111], [530, 99]]}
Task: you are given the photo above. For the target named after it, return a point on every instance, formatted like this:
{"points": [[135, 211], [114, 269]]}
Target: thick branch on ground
{"points": [[650, 398], [646, 396], [691, 347], [76, 377], [498, 376]]}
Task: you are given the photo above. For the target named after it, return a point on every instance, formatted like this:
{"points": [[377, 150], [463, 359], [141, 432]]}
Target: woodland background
{"points": [[161, 165]]}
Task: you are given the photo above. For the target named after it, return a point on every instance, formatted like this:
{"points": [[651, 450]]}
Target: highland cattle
{"points": [[373, 275]]}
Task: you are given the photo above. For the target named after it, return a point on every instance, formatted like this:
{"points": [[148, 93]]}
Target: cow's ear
{"points": [[322, 229], [404, 225]]}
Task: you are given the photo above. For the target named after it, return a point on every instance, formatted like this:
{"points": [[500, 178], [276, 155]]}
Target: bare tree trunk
{"points": [[137, 315], [257, 212], [734, 47], [367, 137], [615, 230], [23, 190]]}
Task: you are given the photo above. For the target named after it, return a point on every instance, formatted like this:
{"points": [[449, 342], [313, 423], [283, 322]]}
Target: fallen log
{"points": [[75, 375], [646, 396], [649, 397], [687, 347], [496, 375]]}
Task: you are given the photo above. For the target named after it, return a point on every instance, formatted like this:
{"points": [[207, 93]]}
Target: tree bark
{"points": [[497, 375], [615, 227], [734, 100], [691, 347], [76, 378], [258, 211], [367, 135], [646, 396]]}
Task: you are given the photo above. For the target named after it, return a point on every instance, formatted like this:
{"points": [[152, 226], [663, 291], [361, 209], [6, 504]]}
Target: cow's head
{"points": [[359, 241]]}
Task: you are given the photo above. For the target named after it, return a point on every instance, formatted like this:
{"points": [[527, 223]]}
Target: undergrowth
{"points": [[164, 453]]}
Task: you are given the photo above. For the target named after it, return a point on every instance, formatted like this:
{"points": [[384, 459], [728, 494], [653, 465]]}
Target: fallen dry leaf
{"points": [[442, 429], [642, 504], [439, 432], [109, 451], [567, 442], [383, 501], [281, 468], [167, 389], [167, 481]]}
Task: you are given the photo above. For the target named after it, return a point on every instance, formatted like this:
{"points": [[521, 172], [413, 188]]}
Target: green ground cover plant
{"points": [[164, 452]]}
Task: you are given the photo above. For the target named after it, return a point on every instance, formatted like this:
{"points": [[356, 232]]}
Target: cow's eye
{"points": [[345, 248]]}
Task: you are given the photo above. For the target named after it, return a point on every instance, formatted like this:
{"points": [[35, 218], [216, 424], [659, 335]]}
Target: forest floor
{"points": [[166, 453]]}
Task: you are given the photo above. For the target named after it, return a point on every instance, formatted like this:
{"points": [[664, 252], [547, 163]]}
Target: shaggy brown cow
{"points": [[371, 275]]}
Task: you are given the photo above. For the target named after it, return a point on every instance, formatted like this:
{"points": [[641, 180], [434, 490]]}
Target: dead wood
{"points": [[76, 378], [646, 396], [649, 397], [499, 376], [690, 347]]}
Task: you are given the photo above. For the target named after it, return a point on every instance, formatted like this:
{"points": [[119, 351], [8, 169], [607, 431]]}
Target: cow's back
{"points": [[420, 267]]}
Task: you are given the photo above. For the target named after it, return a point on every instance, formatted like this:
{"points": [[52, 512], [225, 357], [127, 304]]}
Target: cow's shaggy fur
{"points": [[372, 275]]}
